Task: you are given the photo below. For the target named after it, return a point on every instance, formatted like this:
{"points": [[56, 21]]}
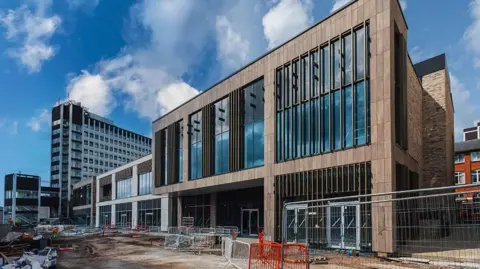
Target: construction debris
{"points": [[35, 259]]}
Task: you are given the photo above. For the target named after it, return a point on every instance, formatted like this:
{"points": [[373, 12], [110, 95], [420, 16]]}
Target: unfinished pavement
{"points": [[135, 253]]}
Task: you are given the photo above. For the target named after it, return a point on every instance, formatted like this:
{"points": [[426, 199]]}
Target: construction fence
{"points": [[435, 226]]}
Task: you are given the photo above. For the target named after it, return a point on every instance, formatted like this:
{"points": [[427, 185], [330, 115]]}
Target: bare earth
{"points": [[135, 253]]}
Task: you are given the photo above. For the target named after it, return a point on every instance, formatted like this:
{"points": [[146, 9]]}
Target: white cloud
{"points": [[338, 4], [465, 111], [93, 92], [233, 49], [37, 123], [89, 4], [472, 34], [278, 29], [31, 33], [403, 4], [149, 75]]}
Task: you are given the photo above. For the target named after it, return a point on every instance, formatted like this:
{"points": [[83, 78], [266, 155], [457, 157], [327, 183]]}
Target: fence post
{"points": [[284, 233], [306, 237]]}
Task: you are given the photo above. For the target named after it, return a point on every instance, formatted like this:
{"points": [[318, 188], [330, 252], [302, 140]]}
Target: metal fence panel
{"points": [[431, 226]]}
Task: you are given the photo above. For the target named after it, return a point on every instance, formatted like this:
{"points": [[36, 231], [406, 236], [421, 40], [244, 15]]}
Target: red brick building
{"points": [[467, 168]]}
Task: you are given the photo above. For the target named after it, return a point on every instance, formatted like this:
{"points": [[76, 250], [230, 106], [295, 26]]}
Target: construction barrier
{"points": [[268, 255], [236, 253]]}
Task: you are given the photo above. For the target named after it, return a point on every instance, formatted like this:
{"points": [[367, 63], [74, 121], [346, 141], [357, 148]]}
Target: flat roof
{"points": [[431, 65]]}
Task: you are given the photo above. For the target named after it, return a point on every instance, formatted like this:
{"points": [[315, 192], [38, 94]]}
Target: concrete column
{"points": [[14, 198], [213, 210], [97, 217], [112, 221], [134, 213], [97, 195], [179, 210], [269, 207], [166, 207], [135, 180], [114, 187]]}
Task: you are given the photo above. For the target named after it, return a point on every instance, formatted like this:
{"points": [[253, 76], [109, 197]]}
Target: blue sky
{"points": [[132, 61]]}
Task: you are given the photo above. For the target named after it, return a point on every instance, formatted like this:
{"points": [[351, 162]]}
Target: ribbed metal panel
{"points": [[236, 143]]}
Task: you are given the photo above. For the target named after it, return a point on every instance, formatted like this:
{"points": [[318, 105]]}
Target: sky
{"points": [[132, 61]]}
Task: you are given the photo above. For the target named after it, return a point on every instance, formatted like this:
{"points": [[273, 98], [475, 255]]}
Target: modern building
{"points": [[337, 111], [1, 214], [84, 145], [467, 169], [472, 133], [84, 194], [26, 201], [124, 198]]}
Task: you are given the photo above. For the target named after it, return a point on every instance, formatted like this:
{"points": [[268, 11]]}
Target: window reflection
{"points": [[254, 125]]}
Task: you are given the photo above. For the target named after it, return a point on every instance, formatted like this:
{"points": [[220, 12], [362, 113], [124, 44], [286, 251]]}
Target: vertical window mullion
{"points": [[352, 85], [365, 68]]}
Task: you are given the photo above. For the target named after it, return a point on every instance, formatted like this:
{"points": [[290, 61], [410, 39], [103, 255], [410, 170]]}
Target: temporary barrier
{"points": [[236, 253], [433, 225]]}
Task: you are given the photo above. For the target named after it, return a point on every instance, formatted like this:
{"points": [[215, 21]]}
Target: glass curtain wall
{"points": [[124, 188], [145, 183], [180, 151], [105, 215], [254, 124], [196, 145], [123, 215], [221, 135], [322, 98], [150, 213]]}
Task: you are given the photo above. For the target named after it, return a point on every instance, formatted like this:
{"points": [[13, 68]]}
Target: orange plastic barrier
{"points": [[268, 255]]}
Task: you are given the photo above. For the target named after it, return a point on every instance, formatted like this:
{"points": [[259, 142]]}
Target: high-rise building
{"points": [[85, 144]]}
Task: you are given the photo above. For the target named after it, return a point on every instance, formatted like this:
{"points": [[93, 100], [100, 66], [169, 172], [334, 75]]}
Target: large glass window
{"points": [[180, 151], [221, 135], [196, 145], [27, 194], [332, 112], [150, 213], [254, 125], [123, 215], [124, 188], [145, 183], [105, 215]]}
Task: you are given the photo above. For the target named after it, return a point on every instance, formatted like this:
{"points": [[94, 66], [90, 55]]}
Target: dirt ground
{"points": [[135, 253]]}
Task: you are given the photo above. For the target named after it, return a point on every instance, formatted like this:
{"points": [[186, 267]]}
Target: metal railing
{"points": [[427, 226]]}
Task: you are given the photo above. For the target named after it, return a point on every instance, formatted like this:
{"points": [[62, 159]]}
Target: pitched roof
{"points": [[467, 146]]}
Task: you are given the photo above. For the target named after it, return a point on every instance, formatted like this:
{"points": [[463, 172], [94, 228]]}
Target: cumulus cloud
{"points": [[465, 111], [93, 92], [278, 29], [30, 30], [403, 4], [233, 49], [38, 122], [338, 4], [147, 75], [472, 34]]}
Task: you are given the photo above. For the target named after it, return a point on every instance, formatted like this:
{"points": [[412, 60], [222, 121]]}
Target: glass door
{"points": [[343, 225], [250, 222], [123, 220], [297, 223]]}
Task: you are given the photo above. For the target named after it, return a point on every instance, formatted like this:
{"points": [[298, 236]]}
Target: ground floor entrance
{"points": [[250, 222], [240, 209]]}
